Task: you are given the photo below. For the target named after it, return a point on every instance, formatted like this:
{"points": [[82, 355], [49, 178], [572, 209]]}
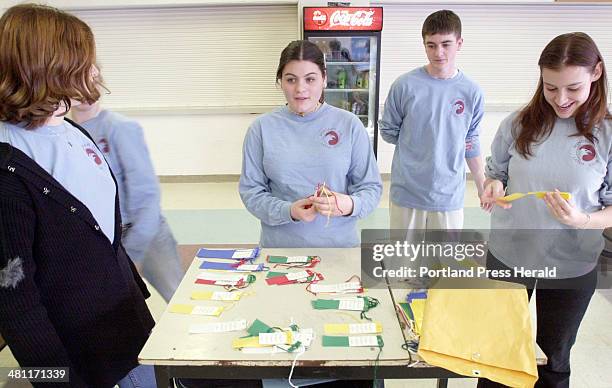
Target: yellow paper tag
{"points": [[247, 342], [181, 308], [352, 328]]}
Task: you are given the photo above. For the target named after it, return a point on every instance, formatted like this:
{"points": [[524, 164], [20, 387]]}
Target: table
{"points": [[175, 353]]}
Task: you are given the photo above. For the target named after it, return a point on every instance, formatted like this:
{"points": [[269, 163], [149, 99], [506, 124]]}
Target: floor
{"points": [[213, 213]]}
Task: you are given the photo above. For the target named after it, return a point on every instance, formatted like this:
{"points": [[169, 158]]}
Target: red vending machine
{"points": [[350, 39]]}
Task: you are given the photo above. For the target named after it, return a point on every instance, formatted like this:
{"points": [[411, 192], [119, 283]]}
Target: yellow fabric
{"points": [[481, 333]]}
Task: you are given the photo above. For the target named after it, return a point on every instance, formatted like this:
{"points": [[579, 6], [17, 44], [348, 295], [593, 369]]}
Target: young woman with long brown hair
{"points": [[69, 295], [560, 141]]}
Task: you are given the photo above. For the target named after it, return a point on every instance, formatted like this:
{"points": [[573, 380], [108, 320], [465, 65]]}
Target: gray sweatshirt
{"points": [[285, 156], [527, 235]]}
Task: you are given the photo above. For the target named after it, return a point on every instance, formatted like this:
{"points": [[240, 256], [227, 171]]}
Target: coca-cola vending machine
{"points": [[350, 39]]}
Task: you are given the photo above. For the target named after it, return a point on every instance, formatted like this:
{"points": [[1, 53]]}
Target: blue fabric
{"points": [[434, 124], [143, 376], [286, 155]]}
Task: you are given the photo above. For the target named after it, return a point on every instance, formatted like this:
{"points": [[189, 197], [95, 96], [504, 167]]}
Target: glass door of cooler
{"points": [[351, 75]]}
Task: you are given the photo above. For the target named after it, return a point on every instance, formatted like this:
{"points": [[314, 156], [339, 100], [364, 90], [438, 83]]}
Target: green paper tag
{"points": [[345, 341], [272, 274], [258, 327], [331, 340], [325, 304]]}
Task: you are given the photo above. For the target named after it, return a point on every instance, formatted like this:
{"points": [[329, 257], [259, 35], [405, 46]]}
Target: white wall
{"points": [[200, 140], [212, 144], [195, 144]]}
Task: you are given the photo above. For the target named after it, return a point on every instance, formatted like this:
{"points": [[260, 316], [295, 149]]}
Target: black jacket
{"points": [[68, 296]]}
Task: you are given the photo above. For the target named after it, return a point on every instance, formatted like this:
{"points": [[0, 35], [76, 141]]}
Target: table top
{"points": [[276, 305]]}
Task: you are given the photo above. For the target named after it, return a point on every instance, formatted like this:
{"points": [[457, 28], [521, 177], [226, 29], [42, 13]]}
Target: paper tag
{"points": [[248, 267], [297, 275], [223, 295], [243, 254], [219, 276], [275, 338], [297, 259], [368, 340], [206, 310], [218, 327], [305, 336], [331, 288], [181, 308], [351, 304], [362, 328]]}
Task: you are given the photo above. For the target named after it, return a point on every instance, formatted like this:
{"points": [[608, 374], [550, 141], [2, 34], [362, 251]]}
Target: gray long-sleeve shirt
{"points": [[434, 124], [285, 156], [527, 235], [123, 144]]}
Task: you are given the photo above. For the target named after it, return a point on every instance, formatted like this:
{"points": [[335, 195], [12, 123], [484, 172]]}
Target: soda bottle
{"points": [[341, 78], [359, 81]]}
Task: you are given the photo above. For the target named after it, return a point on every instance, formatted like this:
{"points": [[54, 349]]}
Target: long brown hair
{"points": [[46, 59], [535, 122]]}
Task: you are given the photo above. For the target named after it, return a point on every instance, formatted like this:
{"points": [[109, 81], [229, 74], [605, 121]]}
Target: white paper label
{"points": [[297, 275], [222, 295], [273, 338], [216, 276], [368, 340], [243, 254], [218, 327], [206, 310], [362, 328], [297, 259], [351, 304], [331, 288], [248, 267], [305, 336]]}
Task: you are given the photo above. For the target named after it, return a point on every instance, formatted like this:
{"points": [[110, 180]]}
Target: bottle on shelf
{"points": [[341, 78]]}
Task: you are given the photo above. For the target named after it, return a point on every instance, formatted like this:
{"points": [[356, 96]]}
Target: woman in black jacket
{"points": [[69, 295]]}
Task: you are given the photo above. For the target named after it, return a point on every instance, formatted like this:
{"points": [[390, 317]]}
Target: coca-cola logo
{"points": [[319, 18], [354, 19]]}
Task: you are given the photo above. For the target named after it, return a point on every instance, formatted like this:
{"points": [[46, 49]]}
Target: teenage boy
{"points": [[432, 115]]}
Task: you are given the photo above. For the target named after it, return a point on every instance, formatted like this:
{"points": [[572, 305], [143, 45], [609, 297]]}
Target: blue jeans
{"points": [[143, 376]]}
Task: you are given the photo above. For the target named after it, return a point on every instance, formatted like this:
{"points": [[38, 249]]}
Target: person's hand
{"points": [[303, 210], [486, 206], [564, 211], [334, 204], [493, 190]]}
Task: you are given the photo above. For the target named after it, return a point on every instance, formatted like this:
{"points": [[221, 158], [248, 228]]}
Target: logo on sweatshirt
{"points": [[330, 137], [103, 144], [584, 152], [458, 106], [93, 155]]}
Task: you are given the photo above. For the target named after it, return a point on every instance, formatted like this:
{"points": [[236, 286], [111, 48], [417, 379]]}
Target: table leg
{"points": [[442, 383], [162, 377]]}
